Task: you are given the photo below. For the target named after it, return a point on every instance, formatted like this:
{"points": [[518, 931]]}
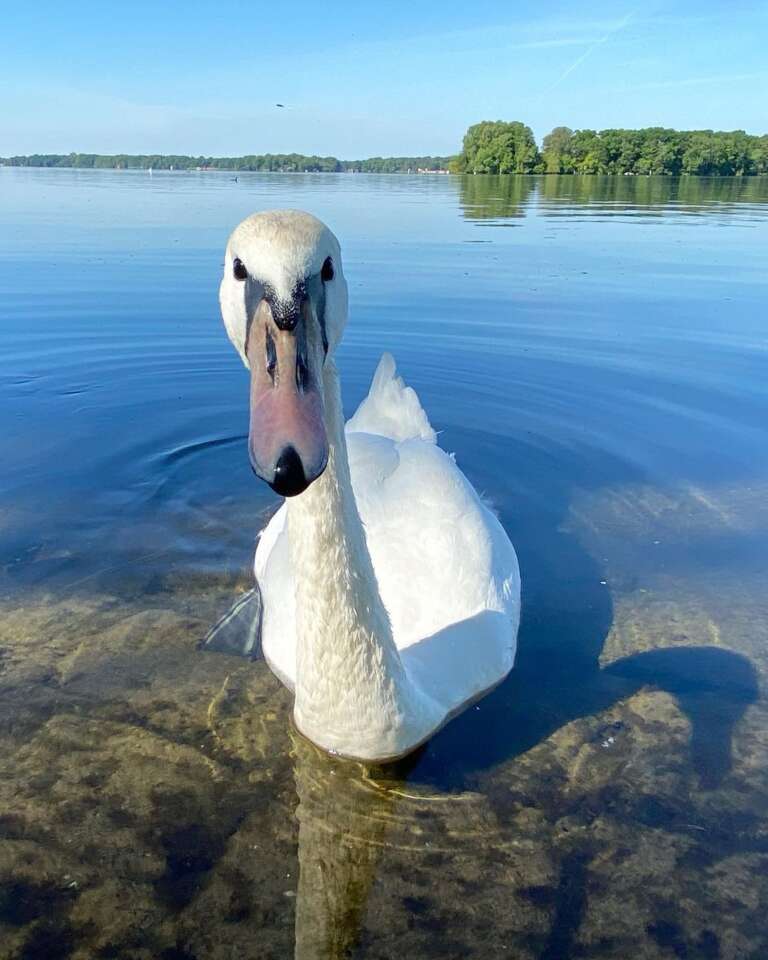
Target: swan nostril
{"points": [[271, 356], [289, 479]]}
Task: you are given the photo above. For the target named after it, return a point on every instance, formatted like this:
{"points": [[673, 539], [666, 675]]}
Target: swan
{"points": [[387, 593]]}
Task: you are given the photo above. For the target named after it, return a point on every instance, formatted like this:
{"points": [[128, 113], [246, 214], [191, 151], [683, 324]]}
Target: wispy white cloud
{"points": [[545, 44], [595, 45], [698, 81]]}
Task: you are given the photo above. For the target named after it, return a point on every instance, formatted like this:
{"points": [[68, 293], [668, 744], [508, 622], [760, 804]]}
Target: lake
{"points": [[595, 352]]}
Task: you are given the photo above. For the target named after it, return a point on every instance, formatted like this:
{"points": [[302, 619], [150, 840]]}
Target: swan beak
{"points": [[287, 442]]}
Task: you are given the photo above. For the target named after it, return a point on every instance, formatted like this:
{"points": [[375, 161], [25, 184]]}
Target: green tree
{"points": [[759, 154], [498, 147], [556, 152], [586, 151]]}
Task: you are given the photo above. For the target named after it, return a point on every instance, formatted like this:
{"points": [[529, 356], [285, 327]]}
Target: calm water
{"points": [[595, 351]]}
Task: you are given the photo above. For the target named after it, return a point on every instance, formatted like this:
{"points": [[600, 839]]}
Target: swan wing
{"points": [[446, 569], [391, 408]]}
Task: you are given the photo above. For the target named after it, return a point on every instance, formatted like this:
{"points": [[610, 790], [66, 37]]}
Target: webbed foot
{"points": [[238, 633]]}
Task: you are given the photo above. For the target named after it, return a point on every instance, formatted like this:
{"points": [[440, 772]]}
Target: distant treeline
{"points": [[489, 147], [499, 147], [272, 162]]}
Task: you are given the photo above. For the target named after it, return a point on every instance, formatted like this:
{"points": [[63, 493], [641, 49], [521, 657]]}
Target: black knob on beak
{"points": [[289, 479], [287, 319]]}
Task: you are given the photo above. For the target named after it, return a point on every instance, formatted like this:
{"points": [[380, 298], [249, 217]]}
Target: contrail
{"points": [[590, 50]]}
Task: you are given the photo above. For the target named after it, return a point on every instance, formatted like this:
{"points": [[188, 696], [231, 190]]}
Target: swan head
{"points": [[283, 300]]}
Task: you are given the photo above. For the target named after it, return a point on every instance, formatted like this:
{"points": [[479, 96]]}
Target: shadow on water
{"points": [[567, 613], [713, 687]]}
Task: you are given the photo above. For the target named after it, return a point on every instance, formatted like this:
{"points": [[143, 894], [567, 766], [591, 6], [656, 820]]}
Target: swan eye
{"points": [[238, 269], [326, 273]]}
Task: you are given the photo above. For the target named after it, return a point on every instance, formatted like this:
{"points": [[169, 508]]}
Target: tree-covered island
{"points": [[496, 147]]}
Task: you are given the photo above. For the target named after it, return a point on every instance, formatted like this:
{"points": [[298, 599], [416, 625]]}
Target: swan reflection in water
{"points": [[343, 818], [382, 862]]}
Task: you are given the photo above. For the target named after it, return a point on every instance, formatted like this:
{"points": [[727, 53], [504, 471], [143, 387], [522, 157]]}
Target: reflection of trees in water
{"points": [[694, 193], [501, 197], [488, 197]]}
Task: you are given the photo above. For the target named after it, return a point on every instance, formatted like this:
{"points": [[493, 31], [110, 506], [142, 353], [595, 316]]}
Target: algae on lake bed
{"points": [[157, 804]]}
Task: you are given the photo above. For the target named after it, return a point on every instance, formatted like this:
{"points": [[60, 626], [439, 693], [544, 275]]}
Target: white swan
{"points": [[391, 594]]}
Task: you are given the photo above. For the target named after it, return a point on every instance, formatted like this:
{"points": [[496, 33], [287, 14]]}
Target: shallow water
{"points": [[595, 352]]}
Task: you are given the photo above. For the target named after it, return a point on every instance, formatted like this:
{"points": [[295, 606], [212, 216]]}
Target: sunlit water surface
{"points": [[595, 352]]}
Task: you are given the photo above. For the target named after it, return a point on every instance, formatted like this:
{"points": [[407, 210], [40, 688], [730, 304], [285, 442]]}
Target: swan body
{"points": [[390, 592]]}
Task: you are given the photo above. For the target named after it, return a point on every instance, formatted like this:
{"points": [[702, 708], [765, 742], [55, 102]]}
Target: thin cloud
{"points": [[600, 42], [541, 44], [514, 35], [697, 81]]}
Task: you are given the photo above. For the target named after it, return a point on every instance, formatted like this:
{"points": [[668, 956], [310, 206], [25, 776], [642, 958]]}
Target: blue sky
{"points": [[361, 79]]}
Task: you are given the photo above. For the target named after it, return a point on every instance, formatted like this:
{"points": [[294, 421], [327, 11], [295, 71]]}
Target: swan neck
{"points": [[351, 689]]}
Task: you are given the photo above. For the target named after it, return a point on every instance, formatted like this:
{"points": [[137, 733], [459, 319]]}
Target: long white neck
{"points": [[352, 693]]}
